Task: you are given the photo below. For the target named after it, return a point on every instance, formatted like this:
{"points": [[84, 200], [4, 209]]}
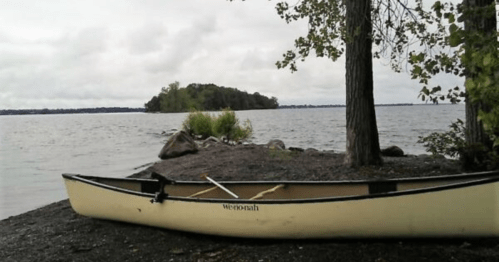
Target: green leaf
{"points": [[487, 82], [416, 71], [436, 89], [469, 84], [437, 7], [451, 18], [425, 91], [487, 59], [454, 39], [453, 28]]}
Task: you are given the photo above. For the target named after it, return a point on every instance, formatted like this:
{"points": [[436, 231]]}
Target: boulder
{"points": [[169, 133], [392, 151], [179, 144], [276, 144]]}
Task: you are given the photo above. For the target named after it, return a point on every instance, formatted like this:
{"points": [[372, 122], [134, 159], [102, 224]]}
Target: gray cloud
{"points": [[182, 47], [149, 38], [120, 53]]}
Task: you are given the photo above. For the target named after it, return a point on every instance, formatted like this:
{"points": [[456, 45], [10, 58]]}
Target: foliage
{"points": [[207, 97], [243, 132], [199, 123], [471, 52], [153, 105], [225, 122], [173, 99], [225, 125], [282, 154], [395, 25], [453, 144], [445, 45]]}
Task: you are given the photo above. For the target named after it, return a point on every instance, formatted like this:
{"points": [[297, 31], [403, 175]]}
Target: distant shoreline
{"points": [[333, 106], [70, 111], [330, 106], [142, 110]]}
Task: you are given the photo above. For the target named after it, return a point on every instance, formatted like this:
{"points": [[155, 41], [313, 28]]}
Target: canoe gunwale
{"points": [[481, 179], [88, 180]]}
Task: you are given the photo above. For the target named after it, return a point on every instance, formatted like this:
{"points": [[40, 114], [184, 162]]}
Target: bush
{"points": [[224, 125], [453, 143], [198, 123], [227, 125], [244, 132]]}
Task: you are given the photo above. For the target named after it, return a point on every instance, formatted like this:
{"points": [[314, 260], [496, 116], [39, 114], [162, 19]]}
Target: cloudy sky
{"points": [[72, 53]]}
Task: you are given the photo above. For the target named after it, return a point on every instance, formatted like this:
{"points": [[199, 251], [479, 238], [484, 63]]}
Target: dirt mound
{"points": [[256, 162]]}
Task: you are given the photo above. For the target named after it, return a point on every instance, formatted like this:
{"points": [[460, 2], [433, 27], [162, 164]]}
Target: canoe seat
{"points": [[265, 192]]}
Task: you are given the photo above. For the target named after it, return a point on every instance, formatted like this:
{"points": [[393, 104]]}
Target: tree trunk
{"points": [[475, 135], [362, 131]]}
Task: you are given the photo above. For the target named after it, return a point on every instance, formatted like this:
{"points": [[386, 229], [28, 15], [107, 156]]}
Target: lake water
{"points": [[36, 149]]}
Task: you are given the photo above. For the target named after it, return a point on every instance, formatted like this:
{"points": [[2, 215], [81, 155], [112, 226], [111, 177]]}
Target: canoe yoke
{"points": [[163, 180]]}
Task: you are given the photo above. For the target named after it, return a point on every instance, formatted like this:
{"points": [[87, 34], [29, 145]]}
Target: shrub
{"points": [[243, 132], [453, 143], [224, 125], [227, 125], [199, 123]]}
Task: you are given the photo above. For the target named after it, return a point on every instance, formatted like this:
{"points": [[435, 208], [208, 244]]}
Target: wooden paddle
{"points": [[205, 176]]}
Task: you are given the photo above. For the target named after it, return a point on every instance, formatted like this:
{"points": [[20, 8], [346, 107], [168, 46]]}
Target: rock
{"points": [[179, 144], [311, 151], [276, 144], [392, 151], [210, 141], [169, 133], [297, 149], [164, 133]]}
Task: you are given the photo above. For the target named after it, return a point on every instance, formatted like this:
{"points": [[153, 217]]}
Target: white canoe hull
{"points": [[468, 210]]}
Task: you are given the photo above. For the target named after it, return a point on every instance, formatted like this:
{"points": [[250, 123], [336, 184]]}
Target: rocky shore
{"points": [[56, 233]]}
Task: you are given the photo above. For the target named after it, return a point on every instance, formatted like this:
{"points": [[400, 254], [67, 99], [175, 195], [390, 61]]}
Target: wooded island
{"points": [[206, 97]]}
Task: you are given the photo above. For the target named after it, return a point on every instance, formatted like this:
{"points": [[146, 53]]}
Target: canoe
{"points": [[465, 205]]}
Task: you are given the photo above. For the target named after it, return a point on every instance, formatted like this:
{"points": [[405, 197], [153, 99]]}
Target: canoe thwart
{"points": [[265, 192], [205, 176], [203, 191]]}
